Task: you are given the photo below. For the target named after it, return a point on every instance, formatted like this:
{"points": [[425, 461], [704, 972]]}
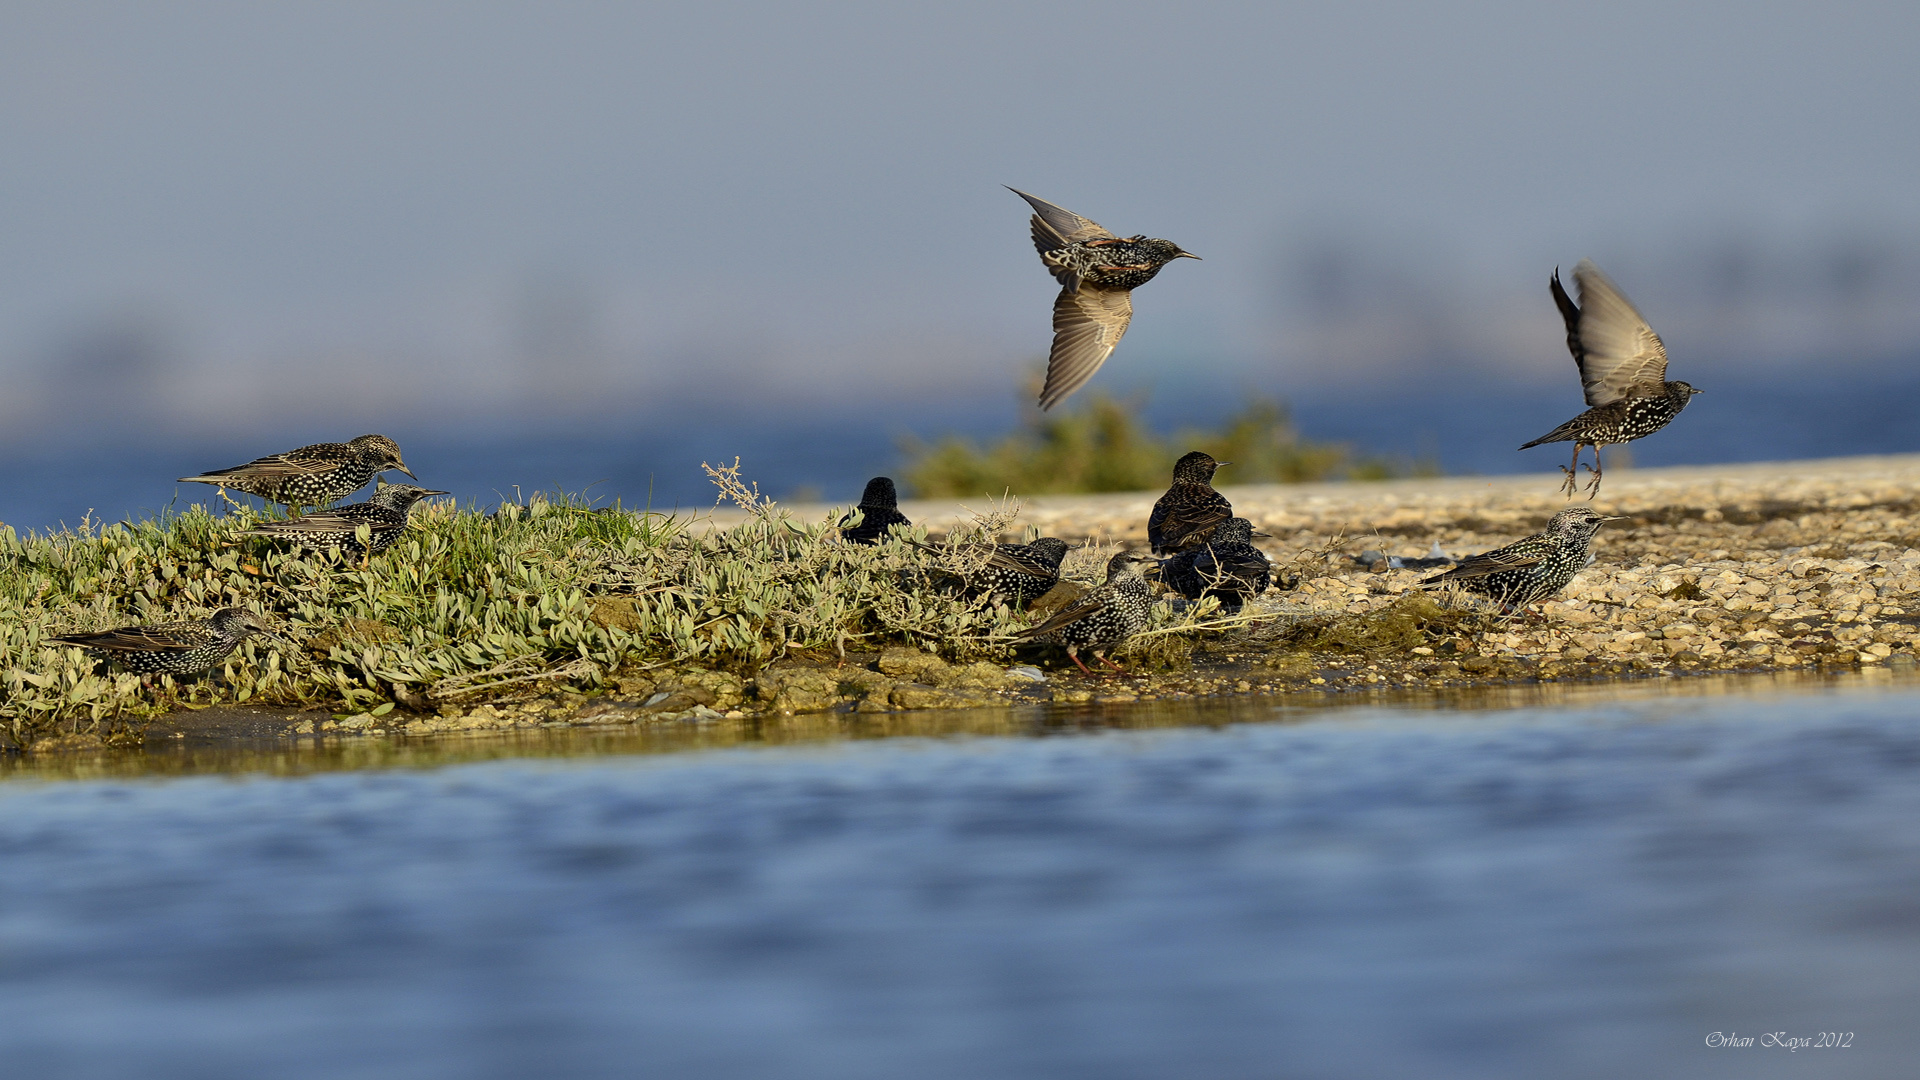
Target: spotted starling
{"points": [[312, 475], [1013, 574], [385, 514], [1190, 510], [1227, 566], [1623, 367], [1105, 617], [1098, 272], [879, 508], [175, 648], [1533, 569]]}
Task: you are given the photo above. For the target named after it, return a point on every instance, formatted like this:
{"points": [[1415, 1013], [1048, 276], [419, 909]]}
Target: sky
{"points": [[256, 214]]}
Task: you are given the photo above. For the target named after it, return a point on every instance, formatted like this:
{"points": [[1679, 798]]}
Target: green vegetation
{"points": [[1103, 445], [545, 595]]}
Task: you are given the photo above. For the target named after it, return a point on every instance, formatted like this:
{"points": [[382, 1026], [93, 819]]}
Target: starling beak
{"points": [[177, 648], [1228, 567], [1531, 569], [1623, 369], [1014, 574], [314, 475], [385, 515], [1098, 272], [879, 508], [1105, 618], [1186, 516]]}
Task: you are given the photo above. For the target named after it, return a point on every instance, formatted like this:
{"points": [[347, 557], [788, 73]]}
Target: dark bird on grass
{"points": [[385, 515], [1228, 567], [1105, 618], [1098, 272], [175, 648], [314, 475], [879, 508], [1623, 367], [1186, 516], [1013, 574], [1533, 569]]}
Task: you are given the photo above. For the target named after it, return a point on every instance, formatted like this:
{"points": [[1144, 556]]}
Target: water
{"points": [[1579, 882], [654, 459]]}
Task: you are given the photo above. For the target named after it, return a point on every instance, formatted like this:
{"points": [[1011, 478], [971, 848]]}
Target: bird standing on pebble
{"points": [[1228, 567], [175, 648], [314, 475], [1186, 516], [1098, 272], [1623, 367], [1531, 569], [1105, 618], [879, 508]]}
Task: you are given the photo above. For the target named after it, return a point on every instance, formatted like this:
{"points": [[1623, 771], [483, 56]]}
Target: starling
{"points": [[1098, 272], [385, 514], [312, 475], [1190, 510], [175, 648], [1105, 617], [1533, 569], [879, 508], [1227, 566], [1015, 574], [1623, 367]]}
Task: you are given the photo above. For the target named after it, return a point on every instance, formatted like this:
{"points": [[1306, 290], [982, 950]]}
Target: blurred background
{"points": [[591, 245]]}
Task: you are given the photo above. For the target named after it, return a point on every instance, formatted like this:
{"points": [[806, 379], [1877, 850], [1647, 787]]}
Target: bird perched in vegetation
{"points": [[1191, 510], [879, 508], [1098, 272], [1623, 367], [312, 475], [1227, 566], [385, 515], [175, 648], [1532, 569], [1014, 574], [1106, 617]]}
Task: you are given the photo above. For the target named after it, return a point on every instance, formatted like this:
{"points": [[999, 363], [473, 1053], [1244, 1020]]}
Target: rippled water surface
{"points": [[1577, 883]]}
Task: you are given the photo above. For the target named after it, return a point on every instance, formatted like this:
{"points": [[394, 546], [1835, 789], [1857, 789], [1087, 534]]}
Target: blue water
{"points": [[653, 458], [1587, 890]]}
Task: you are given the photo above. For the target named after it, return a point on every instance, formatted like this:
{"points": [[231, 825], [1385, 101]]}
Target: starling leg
{"points": [[1074, 656], [1593, 486], [1572, 470], [1110, 663], [229, 499]]}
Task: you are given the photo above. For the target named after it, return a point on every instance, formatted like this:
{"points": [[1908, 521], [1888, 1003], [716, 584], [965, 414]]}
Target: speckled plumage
{"points": [[1186, 516], [1098, 272], [1623, 369], [385, 514], [1014, 574], [1106, 617], [314, 475], [1531, 569], [1228, 567], [175, 648], [879, 508]]}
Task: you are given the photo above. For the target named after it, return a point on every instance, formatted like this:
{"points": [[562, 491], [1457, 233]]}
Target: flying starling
{"points": [[1623, 367], [1105, 617], [1014, 574], [385, 515], [879, 508], [175, 648], [1098, 272], [1190, 510], [1533, 569], [314, 475], [1227, 566]]}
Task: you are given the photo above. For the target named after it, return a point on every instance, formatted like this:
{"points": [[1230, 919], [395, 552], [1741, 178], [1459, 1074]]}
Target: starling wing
{"points": [[1089, 604], [1609, 339], [327, 521], [1055, 227], [301, 462], [1087, 324], [1513, 557], [164, 638]]}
